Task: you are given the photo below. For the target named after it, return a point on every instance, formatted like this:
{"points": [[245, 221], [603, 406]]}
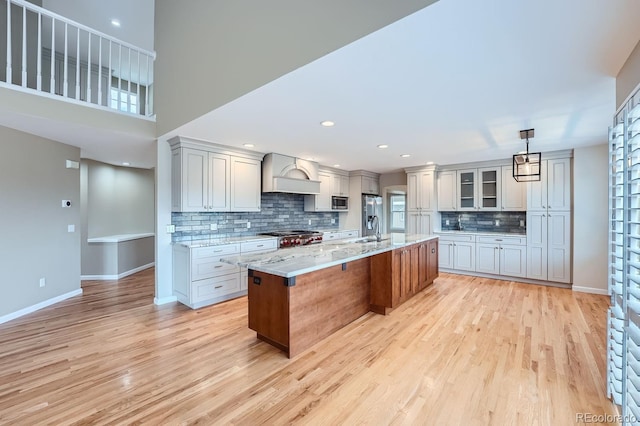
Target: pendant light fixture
{"points": [[526, 166]]}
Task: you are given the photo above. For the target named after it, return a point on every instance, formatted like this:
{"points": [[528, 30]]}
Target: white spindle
{"points": [[99, 70], [129, 85], [138, 86], [39, 66], [65, 90], [119, 74], [9, 77], [146, 91], [24, 47], [78, 63], [109, 78], [89, 69], [52, 84]]}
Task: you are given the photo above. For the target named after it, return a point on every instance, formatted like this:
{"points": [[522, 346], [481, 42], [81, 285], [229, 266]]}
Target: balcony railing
{"points": [[58, 57]]}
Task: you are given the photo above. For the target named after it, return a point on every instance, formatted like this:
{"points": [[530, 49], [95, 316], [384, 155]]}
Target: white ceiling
{"points": [[451, 83]]}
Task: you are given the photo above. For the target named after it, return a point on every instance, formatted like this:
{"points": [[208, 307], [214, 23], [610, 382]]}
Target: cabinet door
{"points": [[514, 193], [536, 245], [425, 223], [194, 180], [245, 185], [323, 200], [219, 183], [488, 258], [413, 191], [344, 186], [559, 184], [537, 191], [559, 247], [432, 264], [447, 191], [414, 264], [413, 222], [445, 254], [426, 190], [513, 260], [464, 256], [489, 187], [467, 185]]}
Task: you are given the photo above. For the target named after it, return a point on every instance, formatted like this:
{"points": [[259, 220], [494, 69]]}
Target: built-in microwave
{"points": [[339, 203]]}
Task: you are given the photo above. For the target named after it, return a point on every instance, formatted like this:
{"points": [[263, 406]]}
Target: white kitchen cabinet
{"points": [[514, 193], [320, 202], [421, 194], [207, 177], [447, 191], [245, 185], [419, 222], [339, 235], [467, 190], [501, 255], [370, 185], [549, 246], [489, 188], [457, 252], [553, 191], [340, 185]]}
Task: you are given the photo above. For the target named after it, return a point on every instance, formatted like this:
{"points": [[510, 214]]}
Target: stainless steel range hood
{"points": [[282, 173]]}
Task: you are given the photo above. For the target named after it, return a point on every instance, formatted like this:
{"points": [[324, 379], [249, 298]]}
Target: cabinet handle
{"points": [[216, 267], [433, 250], [217, 287], [260, 245], [543, 216], [498, 239]]}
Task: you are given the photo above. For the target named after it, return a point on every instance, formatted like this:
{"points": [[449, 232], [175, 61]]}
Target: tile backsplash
{"points": [[508, 222], [279, 211]]}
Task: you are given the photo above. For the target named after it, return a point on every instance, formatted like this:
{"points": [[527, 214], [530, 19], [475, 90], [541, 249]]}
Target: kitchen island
{"points": [[298, 296]]}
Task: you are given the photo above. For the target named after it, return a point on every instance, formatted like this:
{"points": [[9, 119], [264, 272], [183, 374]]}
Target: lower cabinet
{"points": [[549, 246], [501, 255], [339, 235], [458, 252], [411, 268], [419, 222], [201, 279]]}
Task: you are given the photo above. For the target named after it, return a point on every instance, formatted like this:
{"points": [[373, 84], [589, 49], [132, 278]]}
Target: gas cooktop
{"points": [[295, 237]]}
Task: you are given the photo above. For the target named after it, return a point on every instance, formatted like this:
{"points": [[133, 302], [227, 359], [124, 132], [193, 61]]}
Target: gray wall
{"points": [[237, 46], [590, 217], [628, 77], [116, 200], [35, 241]]}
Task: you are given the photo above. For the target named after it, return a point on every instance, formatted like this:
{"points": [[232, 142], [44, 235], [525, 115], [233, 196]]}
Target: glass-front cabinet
{"points": [[490, 182], [467, 189]]}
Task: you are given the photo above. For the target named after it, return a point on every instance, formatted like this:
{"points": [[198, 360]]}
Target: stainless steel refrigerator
{"points": [[371, 214]]}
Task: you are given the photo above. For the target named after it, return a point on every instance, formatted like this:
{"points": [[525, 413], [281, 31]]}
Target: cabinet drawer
{"points": [[350, 234], [215, 287], [469, 238], [213, 268], [328, 236], [214, 251], [262, 245], [521, 241]]}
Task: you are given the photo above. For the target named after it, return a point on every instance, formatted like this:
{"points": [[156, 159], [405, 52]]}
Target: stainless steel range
{"points": [[295, 237]]}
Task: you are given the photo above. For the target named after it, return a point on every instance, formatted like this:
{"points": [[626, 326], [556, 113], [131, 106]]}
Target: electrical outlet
{"points": [[333, 221], [248, 225], [71, 228], [171, 229], [309, 221], [66, 203], [213, 226], [43, 282], [521, 223], [446, 222], [497, 222]]}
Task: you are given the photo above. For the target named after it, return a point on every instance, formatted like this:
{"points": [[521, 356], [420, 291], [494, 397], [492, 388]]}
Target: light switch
{"points": [[171, 229], [71, 228], [213, 226]]}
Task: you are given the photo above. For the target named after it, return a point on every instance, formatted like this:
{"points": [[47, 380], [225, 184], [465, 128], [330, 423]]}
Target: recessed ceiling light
{"points": [[383, 146], [429, 163], [405, 155], [126, 164], [115, 22], [311, 159], [327, 123], [336, 165], [248, 145]]}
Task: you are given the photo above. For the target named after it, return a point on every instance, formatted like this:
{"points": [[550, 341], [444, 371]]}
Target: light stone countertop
{"points": [[294, 261], [491, 234]]}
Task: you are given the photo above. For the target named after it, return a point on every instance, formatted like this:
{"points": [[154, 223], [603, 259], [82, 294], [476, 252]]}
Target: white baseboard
{"points": [[164, 300], [119, 276], [592, 290], [40, 305]]}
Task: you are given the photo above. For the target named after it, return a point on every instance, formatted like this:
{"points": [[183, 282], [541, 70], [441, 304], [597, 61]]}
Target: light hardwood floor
{"points": [[467, 351]]}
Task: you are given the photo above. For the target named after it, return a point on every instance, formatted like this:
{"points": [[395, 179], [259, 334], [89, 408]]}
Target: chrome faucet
{"points": [[375, 222], [460, 222]]}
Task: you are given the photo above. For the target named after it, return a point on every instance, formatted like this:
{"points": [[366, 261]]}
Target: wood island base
{"points": [[295, 313]]}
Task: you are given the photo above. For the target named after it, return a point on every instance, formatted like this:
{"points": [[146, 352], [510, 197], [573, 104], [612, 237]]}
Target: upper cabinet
{"points": [[370, 185], [514, 193], [320, 202], [207, 177], [553, 191], [421, 194], [480, 189], [340, 185]]}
